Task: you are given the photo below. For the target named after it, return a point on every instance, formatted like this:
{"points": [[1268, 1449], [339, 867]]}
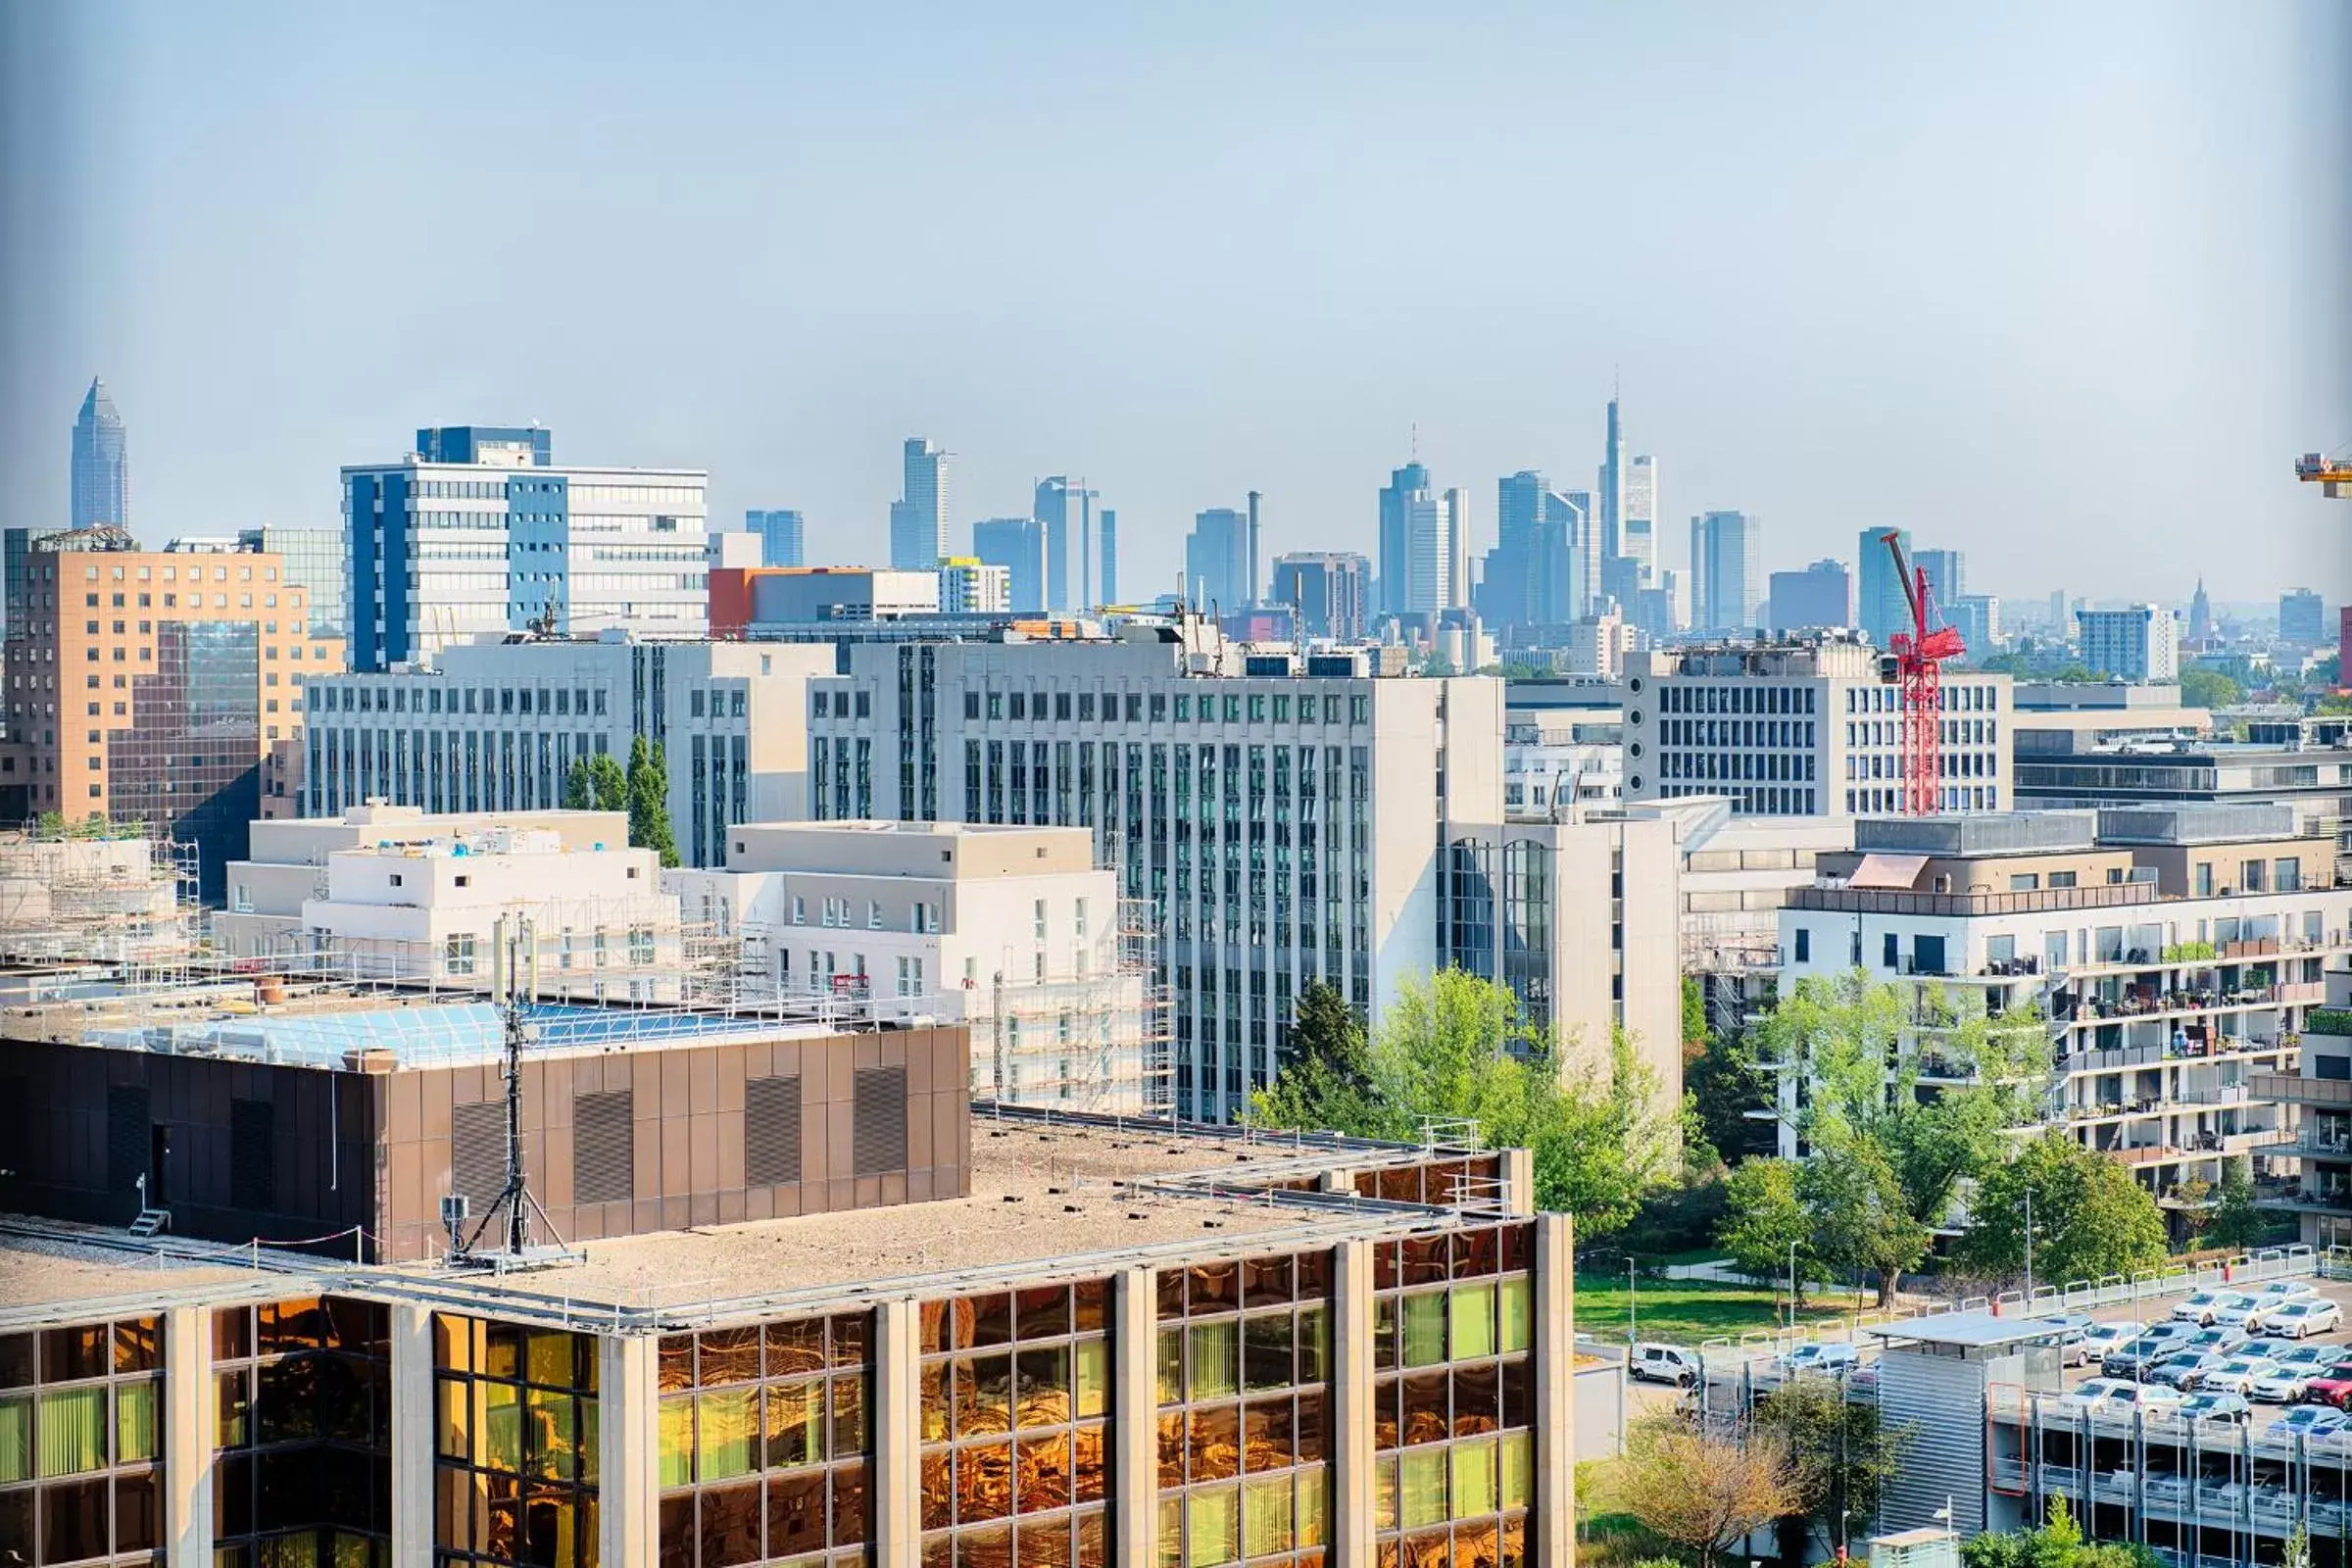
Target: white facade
{"points": [[1639, 534], [1803, 728], [496, 727], [1012, 930], [1435, 578], [2141, 643], [1557, 759], [1283, 824], [970, 587]]}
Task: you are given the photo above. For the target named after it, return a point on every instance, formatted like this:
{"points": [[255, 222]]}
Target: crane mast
{"points": [[1915, 663]]}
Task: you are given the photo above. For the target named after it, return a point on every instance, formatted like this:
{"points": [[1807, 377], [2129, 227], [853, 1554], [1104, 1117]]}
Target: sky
{"points": [[2065, 287]]}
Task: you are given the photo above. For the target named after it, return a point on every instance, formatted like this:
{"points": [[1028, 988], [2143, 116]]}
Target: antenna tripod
{"points": [[515, 1202]]}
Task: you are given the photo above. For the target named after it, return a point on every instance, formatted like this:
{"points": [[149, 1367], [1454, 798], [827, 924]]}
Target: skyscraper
{"points": [[101, 463], [1821, 596], [2139, 643], [1395, 545], [1726, 570], [1218, 567], [1638, 530], [1947, 574], [1109, 554], [1581, 516], [781, 542], [1065, 510], [1018, 545], [1878, 604], [1423, 560], [918, 518], [2299, 618], [1328, 591], [1612, 489]]}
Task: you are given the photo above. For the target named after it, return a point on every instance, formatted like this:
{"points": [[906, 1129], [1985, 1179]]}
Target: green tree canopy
{"points": [[1844, 1457], [1329, 1073], [2209, 688], [595, 784], [649, 799], [2091, 1217], [2234, 1220], [1764, 1217]]}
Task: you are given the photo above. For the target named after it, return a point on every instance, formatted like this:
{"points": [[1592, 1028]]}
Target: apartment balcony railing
{"points": [[2295, 1090], [1880, 900]]}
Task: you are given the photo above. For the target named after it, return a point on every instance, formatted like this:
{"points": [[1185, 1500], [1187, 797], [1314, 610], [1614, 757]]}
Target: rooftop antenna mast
{"points": [[514, 1206]]}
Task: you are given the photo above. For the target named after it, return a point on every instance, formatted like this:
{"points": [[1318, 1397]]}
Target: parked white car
{"points": [[1822, 1355], [2199, 1307], [2289, 1376], [2098, 1390], [2098, 1339], [2283, 1291], [2238, 1309], [2301, 1317], [2237, 1375]]}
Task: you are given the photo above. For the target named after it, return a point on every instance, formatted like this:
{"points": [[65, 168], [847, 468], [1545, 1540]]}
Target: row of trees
{"points": [[600, 784]]}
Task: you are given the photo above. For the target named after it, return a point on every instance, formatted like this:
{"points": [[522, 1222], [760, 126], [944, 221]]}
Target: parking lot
{"points": [[1730, 1370]]}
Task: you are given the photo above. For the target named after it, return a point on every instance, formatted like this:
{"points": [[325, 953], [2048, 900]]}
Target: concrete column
{"points": [[628, 1437], [1134, 1406], [1351, 1405], [1553, 1520], [190, 1415], [1519, 1182], [896, 1478], [415, 1438]]}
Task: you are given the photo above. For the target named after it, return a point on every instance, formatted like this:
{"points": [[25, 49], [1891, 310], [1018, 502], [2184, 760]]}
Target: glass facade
{"points": [[764, 1443], [190, 756], [1015, 1400], [81, 1443], [515, 1423], [1244, 1367], [1454, 1398], [302, 1434]]}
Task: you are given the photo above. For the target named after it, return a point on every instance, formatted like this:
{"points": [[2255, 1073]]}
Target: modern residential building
{"points": [[1065, 512], [459, 907], [2319, 1190], [147, 686], [1018, 545], [1802, 727], [2141, 642], [1818, 598], [1556, 760], [918, 518], [970, 586], [1727, 571], [101, 489], [478, 531], [1332, 592], [870, 1347], [497, 726], [2175, 953], [1880, 606], [2301, 621], [318, 561], [1279, 811], [1221, 558], [782, 537]]}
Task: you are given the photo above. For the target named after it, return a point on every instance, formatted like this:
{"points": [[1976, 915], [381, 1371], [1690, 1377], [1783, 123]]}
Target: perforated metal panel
{"points": [[604, 1148], [878, 1114], [771, 1131], [253, 1153], [477, 1152]]}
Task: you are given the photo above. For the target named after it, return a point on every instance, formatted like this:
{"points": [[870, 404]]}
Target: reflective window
{"points": [[80, 1450], [303, 1467], [516, 1431]]}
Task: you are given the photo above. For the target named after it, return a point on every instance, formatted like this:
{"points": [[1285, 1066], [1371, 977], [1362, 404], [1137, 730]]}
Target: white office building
{"points": [[1803, 727], [496, 727], [2138, 643], [970, 586], [1281, 812], [477, 532]]}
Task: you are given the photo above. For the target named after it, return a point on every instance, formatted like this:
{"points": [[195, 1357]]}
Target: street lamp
{"points": [[1792, 1287], [2029, 1246], [1632, 1318]]}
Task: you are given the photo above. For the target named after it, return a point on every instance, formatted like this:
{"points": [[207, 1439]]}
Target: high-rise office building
{"points": [[1109, 554], [781, 540], [1580, 515], [1727, 571], [2300, 619], [1330, 592], [150, 686], [918, 518], [478, 531], [1612, 489], [101, 463], [1639, 531], [1018, 545], [1976, 617], [1219, 566], [1532, 575], [1947, 575], [1422, 565], [1818, 598], [317, 559], [2138, 643], [1880, 605], [1394, 540], [1064, 510]]}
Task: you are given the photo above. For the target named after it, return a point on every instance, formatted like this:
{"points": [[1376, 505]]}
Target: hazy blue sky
{"points": [[2063, 286]]}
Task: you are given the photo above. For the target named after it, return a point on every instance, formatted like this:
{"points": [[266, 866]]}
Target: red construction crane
{"points": [[1916, 663]]}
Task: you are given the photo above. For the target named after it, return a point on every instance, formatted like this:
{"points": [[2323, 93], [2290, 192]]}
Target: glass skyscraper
{"points": [[781, 543], [101, 463]]}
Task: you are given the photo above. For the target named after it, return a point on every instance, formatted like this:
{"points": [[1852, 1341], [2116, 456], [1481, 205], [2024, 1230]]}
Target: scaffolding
{"points": [[69, 898]]}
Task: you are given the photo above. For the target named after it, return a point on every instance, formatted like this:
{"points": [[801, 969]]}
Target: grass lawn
{"points": [[1687, 1311]]}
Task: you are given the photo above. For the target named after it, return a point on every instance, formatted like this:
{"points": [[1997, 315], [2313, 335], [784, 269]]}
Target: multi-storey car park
{"points": [[899, 1331], [2175, 952]]}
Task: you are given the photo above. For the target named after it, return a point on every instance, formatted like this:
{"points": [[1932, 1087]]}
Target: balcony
{"points": [[1879, 900], [2295, 1090]]}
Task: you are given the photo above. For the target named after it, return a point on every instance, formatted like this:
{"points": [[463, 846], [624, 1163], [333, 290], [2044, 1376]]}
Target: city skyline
{"points": [[2022, 355]]}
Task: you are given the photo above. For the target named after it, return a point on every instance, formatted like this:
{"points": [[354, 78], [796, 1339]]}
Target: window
{"points": [[799, 910], [1804, 944], [458, 954], [1037, 920], [873, 914]]}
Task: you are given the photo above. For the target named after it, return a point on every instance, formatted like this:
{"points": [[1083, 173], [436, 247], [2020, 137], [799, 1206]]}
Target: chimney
{"points": [[1253, 547]]}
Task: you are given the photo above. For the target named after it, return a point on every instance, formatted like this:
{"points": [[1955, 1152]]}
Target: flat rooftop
{"points": [[46, 1264]]}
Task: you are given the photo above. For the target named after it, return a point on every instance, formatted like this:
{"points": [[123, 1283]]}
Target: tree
{"points": [[1701, 1491], [2056, 1544], [2209, 688], [2091, 1217], [1764, 1217], [1845, 1460], [649, 799], [595, 784], [2193, 1200], [1457, 1049], [1893, 1153], [1326, 1079], [2236, 1221]]}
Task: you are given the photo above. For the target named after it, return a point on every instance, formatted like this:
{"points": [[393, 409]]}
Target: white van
{"points": [[1665, 1363]]}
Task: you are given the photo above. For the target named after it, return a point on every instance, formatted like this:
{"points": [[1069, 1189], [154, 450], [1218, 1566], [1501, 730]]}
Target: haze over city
{"points": [[2035, 282]]}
